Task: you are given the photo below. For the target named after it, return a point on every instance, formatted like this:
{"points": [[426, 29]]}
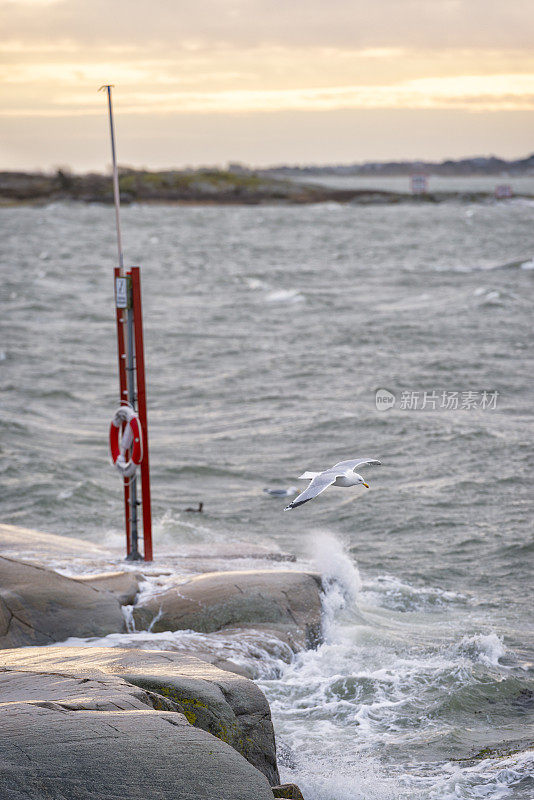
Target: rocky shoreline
{"points": [[79, 722], [202, 187]]}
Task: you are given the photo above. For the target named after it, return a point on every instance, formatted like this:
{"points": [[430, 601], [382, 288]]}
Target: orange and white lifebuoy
{"points": [[131, 440]]}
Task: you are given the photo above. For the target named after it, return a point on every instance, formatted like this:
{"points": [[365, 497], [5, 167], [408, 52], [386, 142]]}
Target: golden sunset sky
{"points": [[263, 81]]}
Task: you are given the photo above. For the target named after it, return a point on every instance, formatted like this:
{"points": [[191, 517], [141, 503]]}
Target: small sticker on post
{"points": [[121, 292]]}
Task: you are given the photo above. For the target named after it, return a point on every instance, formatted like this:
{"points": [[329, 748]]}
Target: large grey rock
{"points": [[228, 706], [39, 606], [47, 752], [72, 692], [286, 601], [124, 585]]}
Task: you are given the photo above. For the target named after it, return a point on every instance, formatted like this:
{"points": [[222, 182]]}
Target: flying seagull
{"points": [[341, 474]]}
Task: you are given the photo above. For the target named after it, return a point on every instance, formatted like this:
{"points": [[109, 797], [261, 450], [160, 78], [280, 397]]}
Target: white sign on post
{"points": [[121, 292]]}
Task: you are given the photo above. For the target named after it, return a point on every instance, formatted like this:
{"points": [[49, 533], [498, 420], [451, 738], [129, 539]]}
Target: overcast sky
{"points": [[264, 81]]}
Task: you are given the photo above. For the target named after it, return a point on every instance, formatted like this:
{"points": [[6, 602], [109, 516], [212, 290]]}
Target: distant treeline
{"points": [[203, 185], [480, 165], [237, 185]]}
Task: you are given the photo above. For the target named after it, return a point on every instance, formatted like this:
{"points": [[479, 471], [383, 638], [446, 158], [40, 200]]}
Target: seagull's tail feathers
{"points": [[308, 476]]}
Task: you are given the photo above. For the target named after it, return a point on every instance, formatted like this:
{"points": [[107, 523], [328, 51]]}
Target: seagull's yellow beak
{"points": [[366, 485]]}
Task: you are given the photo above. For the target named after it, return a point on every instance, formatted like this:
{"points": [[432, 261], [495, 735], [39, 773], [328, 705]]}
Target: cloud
{"points": [[300, 23], [474, 92], [199, 60], [470, 92]]}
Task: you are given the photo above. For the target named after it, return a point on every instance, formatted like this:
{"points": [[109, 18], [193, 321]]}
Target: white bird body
{"points": [[352, 479], [341, 474]]}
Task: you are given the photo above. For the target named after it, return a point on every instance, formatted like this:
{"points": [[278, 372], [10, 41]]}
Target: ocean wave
{"points": [[324, 774], [272, 294], [506, 265], [289, 296], [257, 653], [486, 648], [392, 593], [479, 694], [497, 779], [341, 579]]}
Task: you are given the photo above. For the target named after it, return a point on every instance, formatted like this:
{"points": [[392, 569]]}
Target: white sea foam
{"points": [[127, 612], [362, 687], [66, 494], [326, 776], [174, 530], [334, 563], [341, 579], [495, 778], [289, 296], [487, 648], [391, 592], [256, 283], [257, 652], [272, 294]]}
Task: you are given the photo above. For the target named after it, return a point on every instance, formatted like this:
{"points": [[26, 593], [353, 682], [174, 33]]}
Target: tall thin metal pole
{"points": [[123, 386], [116, 194], [133, 554]]}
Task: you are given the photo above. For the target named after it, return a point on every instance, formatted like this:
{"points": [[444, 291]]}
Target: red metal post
{"points": [[141, 410], [121, 351]]}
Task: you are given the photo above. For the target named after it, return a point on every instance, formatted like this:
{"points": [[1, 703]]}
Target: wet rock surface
{"points": [[98, 722], [49, 752], [285, 602], [229, 707], [123, 585], [39, 606]]}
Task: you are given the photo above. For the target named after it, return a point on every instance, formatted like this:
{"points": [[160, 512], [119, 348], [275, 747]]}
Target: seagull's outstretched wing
{"points": [[317, 485], [353, 463]]}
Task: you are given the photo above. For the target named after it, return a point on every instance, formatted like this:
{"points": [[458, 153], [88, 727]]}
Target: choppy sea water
{"points": [[268, 331]]}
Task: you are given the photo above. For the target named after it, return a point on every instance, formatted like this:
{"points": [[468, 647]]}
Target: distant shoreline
{"points": [[205, 187]]}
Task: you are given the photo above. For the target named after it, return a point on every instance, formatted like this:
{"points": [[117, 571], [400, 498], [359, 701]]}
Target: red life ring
{"points": [[131, 440]]}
